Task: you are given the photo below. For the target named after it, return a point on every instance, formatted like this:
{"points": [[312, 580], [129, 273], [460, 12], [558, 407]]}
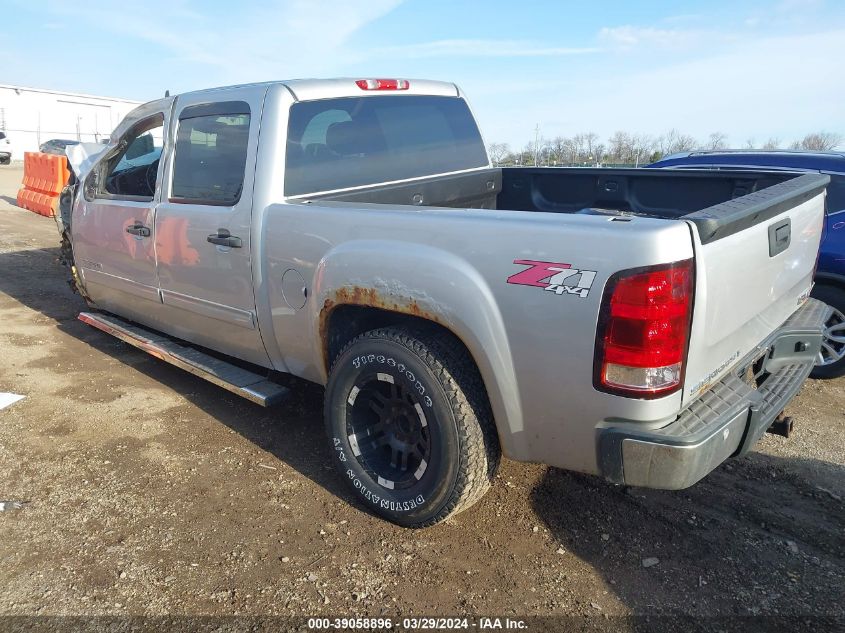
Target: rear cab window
{"points": [[358, 141]]}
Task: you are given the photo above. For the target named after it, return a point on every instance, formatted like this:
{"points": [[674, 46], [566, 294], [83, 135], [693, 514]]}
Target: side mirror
{"points": [[91, 182]]}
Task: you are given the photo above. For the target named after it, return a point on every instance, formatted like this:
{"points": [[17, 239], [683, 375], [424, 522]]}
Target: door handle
{"points": [[223, 238], [138, 229]]}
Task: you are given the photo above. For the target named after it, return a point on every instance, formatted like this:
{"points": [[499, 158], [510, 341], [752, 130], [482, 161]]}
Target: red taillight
{"points": [[642, 345], [383, 84]]}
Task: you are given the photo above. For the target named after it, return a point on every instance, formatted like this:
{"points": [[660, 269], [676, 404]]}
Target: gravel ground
{"points": [[149, 491]]}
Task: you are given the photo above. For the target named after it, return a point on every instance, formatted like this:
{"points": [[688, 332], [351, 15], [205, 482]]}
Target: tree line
{"points": [[624, 148]]}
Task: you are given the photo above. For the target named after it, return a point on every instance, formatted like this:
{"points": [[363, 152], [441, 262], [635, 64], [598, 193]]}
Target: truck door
{"points": [[203, 245], [113, 226]]}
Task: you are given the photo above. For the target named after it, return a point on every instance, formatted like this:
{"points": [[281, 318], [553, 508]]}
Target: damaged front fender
{"points": [[81, 159]]}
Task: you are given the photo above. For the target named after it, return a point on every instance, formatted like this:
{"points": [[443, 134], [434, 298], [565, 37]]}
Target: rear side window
{"points": [[356, 141], [2, 135], [210, 154]]}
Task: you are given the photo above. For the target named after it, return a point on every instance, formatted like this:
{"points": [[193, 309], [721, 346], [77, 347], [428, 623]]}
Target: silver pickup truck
{"points": [[640, 325]]}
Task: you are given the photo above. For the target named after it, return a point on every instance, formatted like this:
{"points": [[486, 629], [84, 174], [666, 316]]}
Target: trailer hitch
{"points": [[781, 426]]}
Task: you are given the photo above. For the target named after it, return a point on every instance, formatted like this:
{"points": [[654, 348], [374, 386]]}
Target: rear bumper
{"points": [[725, 421]]}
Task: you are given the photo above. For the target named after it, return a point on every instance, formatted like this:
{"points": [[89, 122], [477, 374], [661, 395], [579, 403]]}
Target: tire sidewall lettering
{"points": [[354, 369], [414, 383], [378, 497]]}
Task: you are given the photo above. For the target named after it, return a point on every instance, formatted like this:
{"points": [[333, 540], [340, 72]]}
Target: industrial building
{"points": [[31, 116]]}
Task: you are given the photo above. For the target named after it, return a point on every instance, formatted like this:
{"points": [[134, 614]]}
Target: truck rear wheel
{"points": [[831, 362], [410, 425]]}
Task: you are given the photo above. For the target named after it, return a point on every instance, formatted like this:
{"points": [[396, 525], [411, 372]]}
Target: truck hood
{"points": [[82, 157]]}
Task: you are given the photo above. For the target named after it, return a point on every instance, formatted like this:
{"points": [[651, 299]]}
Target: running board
{"points": [[242, 382]]}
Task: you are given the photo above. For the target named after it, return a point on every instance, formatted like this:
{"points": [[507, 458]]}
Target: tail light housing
{"points": [[643, 332], [383, 84]]}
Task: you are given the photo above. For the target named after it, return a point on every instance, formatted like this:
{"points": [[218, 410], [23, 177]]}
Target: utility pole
{"points": [[536, 143]]}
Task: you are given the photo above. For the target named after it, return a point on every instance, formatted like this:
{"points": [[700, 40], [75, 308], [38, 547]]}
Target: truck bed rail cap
{"points": [[735, 215]]}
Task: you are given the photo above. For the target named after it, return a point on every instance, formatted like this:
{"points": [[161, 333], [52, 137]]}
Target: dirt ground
{"points": [[150, 491]]}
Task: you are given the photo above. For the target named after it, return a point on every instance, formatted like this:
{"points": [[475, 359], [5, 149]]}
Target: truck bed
{"points": [[754, 233], [585, 191], [629, 191], [718, 203]]}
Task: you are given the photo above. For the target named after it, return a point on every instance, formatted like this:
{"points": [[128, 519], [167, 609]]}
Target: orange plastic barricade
{"points": [[44, 177]]}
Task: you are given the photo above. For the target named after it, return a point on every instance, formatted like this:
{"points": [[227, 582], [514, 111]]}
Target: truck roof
{"points": [[304, 90], [312, 89]]}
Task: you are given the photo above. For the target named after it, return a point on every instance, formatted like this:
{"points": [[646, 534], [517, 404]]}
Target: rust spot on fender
{"points": [[368, 297]]}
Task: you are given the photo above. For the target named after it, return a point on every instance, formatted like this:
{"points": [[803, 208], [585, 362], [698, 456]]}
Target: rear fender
{"points": [[446, 290]]}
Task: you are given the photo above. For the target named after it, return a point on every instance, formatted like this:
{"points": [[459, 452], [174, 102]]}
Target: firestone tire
{"points": [[834, 345], [410, 425]]}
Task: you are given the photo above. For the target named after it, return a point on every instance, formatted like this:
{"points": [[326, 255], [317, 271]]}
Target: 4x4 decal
{"points": [[554, 277]]}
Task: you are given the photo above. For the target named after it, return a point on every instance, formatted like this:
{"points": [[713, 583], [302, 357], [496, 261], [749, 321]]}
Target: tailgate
{"points": [[755, 257]]}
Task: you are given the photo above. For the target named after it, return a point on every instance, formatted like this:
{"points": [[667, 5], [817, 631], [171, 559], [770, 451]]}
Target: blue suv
{"points": [[830, 275]]}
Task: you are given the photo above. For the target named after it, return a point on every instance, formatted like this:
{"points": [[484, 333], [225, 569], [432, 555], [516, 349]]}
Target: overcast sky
{"points": [[751, 69]]}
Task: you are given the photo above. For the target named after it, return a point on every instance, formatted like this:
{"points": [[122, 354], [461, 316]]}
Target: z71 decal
{"points": [[554, 277]]}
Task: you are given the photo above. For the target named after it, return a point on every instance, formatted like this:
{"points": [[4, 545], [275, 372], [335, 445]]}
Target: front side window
{"points": [[210, 155], [356, 141], [132, 172]]}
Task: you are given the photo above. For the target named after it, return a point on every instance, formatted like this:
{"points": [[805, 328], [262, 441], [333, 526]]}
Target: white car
{"points": [[5, 149]]}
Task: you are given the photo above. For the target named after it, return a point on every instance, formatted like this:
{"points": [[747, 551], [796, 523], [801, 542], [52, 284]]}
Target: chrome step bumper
{"points": [[726, 420]]}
